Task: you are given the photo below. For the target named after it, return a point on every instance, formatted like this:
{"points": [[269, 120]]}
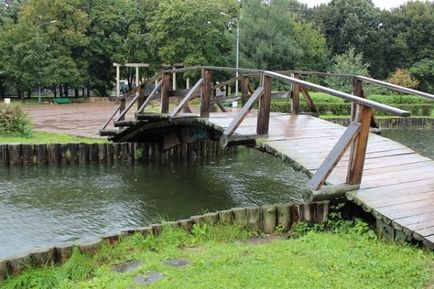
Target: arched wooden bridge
{"points": [[386, 178]]}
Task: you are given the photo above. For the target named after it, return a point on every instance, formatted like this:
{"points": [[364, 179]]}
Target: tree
{"points": [[271, 38], [23, 56], [191, 32], [424, 72], [404, 78], [350, 63], [65, 24]]}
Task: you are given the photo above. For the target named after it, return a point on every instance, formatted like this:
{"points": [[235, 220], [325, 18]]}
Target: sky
{"points": [[383, 4]]}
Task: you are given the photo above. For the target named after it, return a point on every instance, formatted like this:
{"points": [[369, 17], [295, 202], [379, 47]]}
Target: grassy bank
{"points": [[42, 137], [349, 256]]}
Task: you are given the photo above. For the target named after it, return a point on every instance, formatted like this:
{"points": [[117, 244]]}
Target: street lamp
{"points": [[237, 55]]}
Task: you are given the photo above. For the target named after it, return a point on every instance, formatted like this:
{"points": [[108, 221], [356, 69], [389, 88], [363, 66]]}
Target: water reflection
{"points": [[45, 206], [422, 141]]}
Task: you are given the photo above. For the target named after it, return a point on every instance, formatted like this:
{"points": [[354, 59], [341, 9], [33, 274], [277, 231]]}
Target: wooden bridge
{"points": [[387, 179]]}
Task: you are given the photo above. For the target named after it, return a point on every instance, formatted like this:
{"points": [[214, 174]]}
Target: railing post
{"points": [[244, 89], [142, 96], [205, 96], [357, 91], [122, 105], [356, 163], [264, 107], [165, 93], [295, 95]]}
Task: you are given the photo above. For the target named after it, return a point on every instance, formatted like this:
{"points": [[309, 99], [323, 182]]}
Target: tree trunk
{"points": [[76, 93], [55, 91], [82, 91], [60, 91], [29, 93], [66, 90], [88, 92], [2, 91], [20, 94]]}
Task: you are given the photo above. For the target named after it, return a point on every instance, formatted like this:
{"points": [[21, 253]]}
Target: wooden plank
{"points": [[358, 149], [264, 107], [334, 156], [186, 99], [165, 93], [205, 96], [244, 111]]}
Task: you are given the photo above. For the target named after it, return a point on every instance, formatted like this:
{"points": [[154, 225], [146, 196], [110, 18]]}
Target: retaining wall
{"points": [[83, 153], [263, 219]]}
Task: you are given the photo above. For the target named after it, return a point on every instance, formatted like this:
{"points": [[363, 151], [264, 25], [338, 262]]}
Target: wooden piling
{"points": [[269, 218]]}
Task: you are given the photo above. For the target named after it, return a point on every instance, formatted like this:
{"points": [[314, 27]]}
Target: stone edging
{"points": [[263, 219]]}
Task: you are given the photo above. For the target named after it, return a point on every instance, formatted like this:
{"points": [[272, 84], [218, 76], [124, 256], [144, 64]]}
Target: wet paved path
{"points": [[80, 119]]}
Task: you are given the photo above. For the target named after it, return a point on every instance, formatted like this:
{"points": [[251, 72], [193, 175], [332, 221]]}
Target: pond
{"points": [[422, 141], [46, 206]]}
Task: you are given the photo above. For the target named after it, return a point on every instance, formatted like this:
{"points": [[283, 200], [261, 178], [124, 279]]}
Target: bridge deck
{"points": [[397, 185]]}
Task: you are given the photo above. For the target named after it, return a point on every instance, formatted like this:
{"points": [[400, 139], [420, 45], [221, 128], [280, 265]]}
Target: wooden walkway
{"points": [[397, 185]]}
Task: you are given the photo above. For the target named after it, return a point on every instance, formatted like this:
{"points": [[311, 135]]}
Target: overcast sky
{"points": [[384, 4]]}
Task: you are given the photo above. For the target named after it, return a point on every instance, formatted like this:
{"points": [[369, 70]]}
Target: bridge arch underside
{"points": [[169, 133]]}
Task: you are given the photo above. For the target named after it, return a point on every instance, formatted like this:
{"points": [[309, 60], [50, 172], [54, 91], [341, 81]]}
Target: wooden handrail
{"points": [[148, 99], [396, 87], [347, 96], [111, 117], [132, 102], [243, 112], [186, 98]]}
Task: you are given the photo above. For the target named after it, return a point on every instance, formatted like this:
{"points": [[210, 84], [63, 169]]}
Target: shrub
{"points": [[13, 120], [404, 78]]}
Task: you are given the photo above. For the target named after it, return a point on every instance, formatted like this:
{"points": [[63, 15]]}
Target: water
{"points": [[46, 206], [422, 141]]}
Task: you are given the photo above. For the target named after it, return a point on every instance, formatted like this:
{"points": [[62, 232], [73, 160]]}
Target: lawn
{"points": [[43, 137], [231, 257]]}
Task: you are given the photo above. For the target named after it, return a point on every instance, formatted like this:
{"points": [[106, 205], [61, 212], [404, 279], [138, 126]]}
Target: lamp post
{"points": [[237, 54]]}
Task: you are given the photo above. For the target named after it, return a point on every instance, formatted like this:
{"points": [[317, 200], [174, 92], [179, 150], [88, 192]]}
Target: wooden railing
{"points": [[354, 138]]}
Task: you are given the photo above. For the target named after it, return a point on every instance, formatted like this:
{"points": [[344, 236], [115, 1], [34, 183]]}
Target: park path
{"points": [[79, 119]]}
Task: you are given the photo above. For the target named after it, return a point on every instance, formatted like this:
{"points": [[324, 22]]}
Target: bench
{"points": [[62, 100]]}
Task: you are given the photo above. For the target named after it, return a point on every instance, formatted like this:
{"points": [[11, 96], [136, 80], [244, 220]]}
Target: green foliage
{"points": [[350, 63], [47, 278], [191, 32], [14, 121], [271, 38], [138, 154], [78, 266], [323, 260], [424, 71], [41, 137], [404, 78]]}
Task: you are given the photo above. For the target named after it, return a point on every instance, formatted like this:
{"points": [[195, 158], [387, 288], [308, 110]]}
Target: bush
{"points": [[404, 78], [14, 121]]}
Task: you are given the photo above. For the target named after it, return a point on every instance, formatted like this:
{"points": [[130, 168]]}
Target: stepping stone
{"points": [[148, 279], [177, 262], [127, 267]]}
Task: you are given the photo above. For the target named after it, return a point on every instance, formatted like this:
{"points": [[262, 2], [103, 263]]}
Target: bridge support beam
{"points": [[295, 95], [165, 93], [363, 115], [264, 107], [205, 96]]}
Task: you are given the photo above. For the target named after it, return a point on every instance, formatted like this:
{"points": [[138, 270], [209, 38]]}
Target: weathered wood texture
{"points": [[397, 184]]}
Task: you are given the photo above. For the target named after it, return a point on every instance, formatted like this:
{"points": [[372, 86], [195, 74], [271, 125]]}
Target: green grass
{"points": [[42, 137], [224, 257]]}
